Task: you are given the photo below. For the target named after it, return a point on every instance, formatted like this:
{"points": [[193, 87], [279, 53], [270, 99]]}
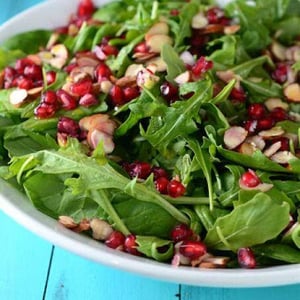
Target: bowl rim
{"points": [[16, 205]]}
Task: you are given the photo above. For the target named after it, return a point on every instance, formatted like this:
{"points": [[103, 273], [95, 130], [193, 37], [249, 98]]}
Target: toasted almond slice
{"points": [[142, 57], [126, 81], [157, 28], [231, 29], [35, 91], [292, 92], [158, 62], [257, 141], [67, 221], [87, 61], [35, 58], [272, 149], [105, 86], [199, 21], [17, 97], [247, 148], [278, 50], [283, 157], [89, 122], [211, 28], [133, 69], [275, 131], [157, 41], [60, 54], [272, 103], [88, 70], [96, 136], [234, 136], [293, 53], [183, 77], [101, 229]]}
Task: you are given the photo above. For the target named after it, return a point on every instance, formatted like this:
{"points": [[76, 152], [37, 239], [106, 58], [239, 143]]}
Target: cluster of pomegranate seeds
{"points": [[26, 74], [246, 258], [216, 15], [121, 95], [280, 73]]}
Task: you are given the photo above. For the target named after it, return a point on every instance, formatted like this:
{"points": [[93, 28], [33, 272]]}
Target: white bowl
{"points": [[55, 13]]}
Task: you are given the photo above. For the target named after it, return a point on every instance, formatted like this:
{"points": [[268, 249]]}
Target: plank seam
{"points": [[48, 273]]}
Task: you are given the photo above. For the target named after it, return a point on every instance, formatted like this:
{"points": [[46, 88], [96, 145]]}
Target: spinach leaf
{"points": [[240, 227]]}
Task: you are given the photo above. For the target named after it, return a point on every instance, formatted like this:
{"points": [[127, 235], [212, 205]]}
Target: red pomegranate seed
{"points": [[49, 97], [82, 87], [44, 111], [250, 126], [139, 169], [62, 30], [88, 100], [265, 123], [285, 143], [22, 63], [192, 249], [280, 73], [215, 15], [115, 240], [110, 50], [238, 95], [141, 48], [174, 12], [201, 66], [130, 93], [9, 73], [130, 245], [85, 9], [161, 185], [116, 95], [159, 172], [68, 126], [256, 111], [50, 77], [175, 188], [246, 258], [279, 114], [67, 101], [33, 72], [250, 179], [169, 91], [102, 72], [181, 232], [69, 68], [23, 82]]}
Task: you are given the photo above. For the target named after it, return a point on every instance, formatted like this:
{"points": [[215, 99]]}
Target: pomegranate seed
{"points": [[130, 93], [102, 72], [192, 249], [88, 100], [279, 114], [85, 9], [69, 68], [246, 258], [159, 172], [250, 125], [161, 185], [215, 15], [116, 95], [256, 111], [9, 74], [68, 126], [238, 95], [174, 12], [285, 143], [110, 50], [175, 188], [169, 91], [250, 179], [280, 73], [130, 245], [141, 48], [82, 87], [62, 30], [44, 111], [23, 82], [33, 72], [50, 98], [50, 77], [115, 240], [22, 63], [265, 123], [67, 101], [140, 169], [201, 66], [181, 232]]}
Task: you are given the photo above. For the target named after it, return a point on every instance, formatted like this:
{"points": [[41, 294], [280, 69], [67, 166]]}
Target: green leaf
{"points": [[9, 56], [240, 227]]}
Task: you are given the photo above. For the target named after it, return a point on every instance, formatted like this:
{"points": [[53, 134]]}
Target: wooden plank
{"points": [[73, 277], [24, 260], [274, 293]]}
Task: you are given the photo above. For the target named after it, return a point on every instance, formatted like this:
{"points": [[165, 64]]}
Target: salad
{"points": [[165, 129]]}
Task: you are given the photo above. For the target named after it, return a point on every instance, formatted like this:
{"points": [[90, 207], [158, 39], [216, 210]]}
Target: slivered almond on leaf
{"points": [[17, 97], [235, 136], [292, 92]]}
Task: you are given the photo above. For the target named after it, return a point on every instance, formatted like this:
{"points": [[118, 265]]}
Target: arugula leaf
{"points": [[240, 227]]}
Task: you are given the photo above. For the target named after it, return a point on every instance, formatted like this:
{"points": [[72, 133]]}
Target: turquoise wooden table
{"points": [[33, 269]]}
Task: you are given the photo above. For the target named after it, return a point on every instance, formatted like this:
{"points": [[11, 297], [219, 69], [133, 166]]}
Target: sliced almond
{"points": [[257, 141], [247, 148], [231, 29], [272, 149], [158, 62], [293, 53], [157, 28], [183, 77], [278, 50], [126, 81], [96, 136], [188, 58], [292, 92], [35, 58], [211, 28], [17, 97], [87, 61], [199, 21], [272, 103], [105, 86], [133, 69], [89, 70], [146, 79], [67, 221], [157, 41], [141, 57], [234, 136], [35, 91], [101, 229], [60, 54], [275, 131], [283, 157], [89, 122]]}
